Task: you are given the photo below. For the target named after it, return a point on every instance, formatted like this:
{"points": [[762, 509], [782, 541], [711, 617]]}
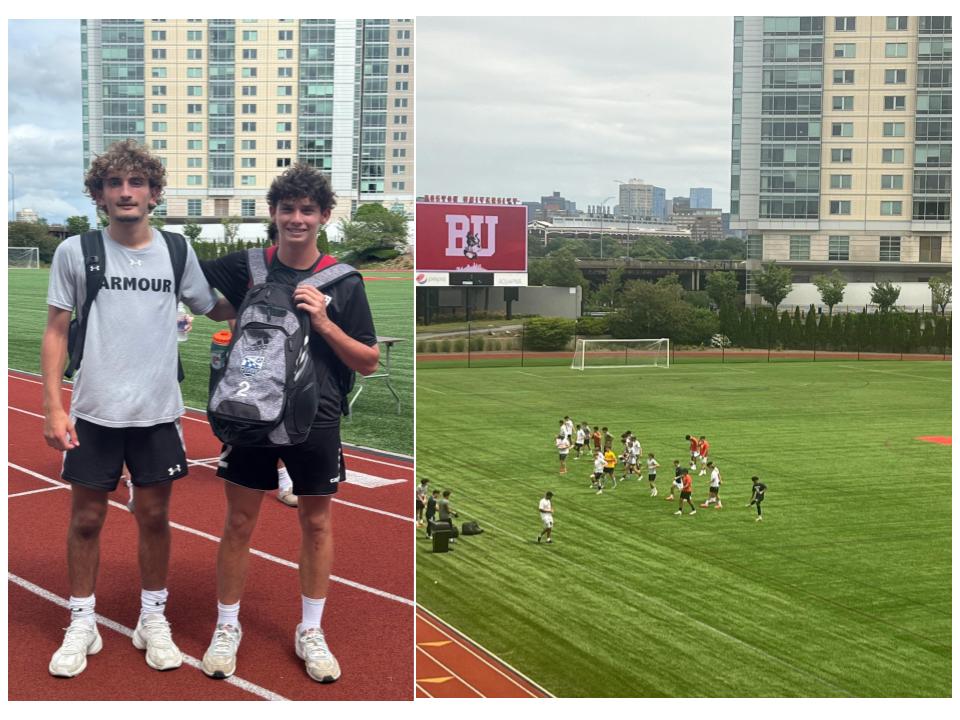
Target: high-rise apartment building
{"points": [[701, 198], [228, 104], [841, 149], [640, 200]]}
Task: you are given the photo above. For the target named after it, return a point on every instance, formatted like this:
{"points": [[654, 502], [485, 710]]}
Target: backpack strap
{"points": [[177, 247], [330, 275], [94, 267], [257, 263]]}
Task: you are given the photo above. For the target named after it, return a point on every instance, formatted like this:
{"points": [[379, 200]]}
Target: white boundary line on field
{"points": [[890, 372], [253, 551], [124, 630]]}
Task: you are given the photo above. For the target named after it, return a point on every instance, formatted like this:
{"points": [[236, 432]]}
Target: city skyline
{"points": [[631, 102]]}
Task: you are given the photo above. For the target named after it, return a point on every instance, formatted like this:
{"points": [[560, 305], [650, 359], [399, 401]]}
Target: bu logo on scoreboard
{"points": [[471, 236]]}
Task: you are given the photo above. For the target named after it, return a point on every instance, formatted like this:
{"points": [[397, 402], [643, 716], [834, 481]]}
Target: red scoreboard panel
{"points": [[455, 237]]}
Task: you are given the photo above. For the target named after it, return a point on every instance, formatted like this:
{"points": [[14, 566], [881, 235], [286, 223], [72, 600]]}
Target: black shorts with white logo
{"points": [[153, 455], [315, 465]]}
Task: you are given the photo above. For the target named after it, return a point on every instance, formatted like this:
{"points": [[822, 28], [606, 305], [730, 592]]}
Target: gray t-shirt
{"points": [[129, 373]]}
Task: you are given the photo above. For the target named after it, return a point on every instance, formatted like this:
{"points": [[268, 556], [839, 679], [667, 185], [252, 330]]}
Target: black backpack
{"points": [[266, 393], [94, 264]]}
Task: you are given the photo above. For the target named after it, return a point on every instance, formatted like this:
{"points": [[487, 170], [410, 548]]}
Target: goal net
{"points": [[23, 257], [645, 352]]}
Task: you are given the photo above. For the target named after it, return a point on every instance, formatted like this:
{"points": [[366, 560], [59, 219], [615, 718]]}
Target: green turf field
{"points": [[843, 590], [375, 422]]}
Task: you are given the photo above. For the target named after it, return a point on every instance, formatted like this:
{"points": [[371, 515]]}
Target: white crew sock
{"points": [[83, 609], [285, 482], [228, 614], [153, 602], [312, 611]]}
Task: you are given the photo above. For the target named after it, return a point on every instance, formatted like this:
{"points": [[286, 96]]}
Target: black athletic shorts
{"points": [[315, 465], [685, 495], [153, 455], [609, 470]]}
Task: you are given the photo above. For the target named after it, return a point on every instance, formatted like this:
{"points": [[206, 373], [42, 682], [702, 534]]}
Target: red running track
{"points": [[369, 619], [450, 665]]}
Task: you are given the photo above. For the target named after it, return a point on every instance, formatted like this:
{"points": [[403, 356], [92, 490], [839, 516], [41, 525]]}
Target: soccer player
{"points": [[652, 466], [126, 403], [677, 480], [686, 493], [714, 491], [610, 466], [703, 447], [596, 437], [421, 497], [546, 516], [568, 427], [631, 457], [342, 340], [431, 510], [757, 496], [598, 463], [563, 448], [607, 440], [581, 440], [694, 451]]}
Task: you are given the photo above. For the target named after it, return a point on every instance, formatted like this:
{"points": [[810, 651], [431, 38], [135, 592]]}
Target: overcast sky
{"points": [[521, 107], [44, 142]]}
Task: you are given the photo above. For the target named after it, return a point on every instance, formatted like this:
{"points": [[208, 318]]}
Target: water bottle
{"points": [[218, 349], [183, 322]]}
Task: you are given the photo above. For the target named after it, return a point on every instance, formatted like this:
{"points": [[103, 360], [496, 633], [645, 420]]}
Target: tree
{"points": [[941, 286], [659, 310], [231, 229], [24, 234], [774, 283], [77, 224], [608, 294], [390, 224], [375, 233], [722, 288], [558, 269], [884, 294], [831, 288], [157, 221], [192, 230]]}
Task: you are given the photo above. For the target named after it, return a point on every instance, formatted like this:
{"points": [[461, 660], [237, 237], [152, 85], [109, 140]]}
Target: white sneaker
{"points": [[220, 659], [311, 647], [153, 635], [693, 512], [679, 512], [759, 518], [287, 497], [81, 639]]}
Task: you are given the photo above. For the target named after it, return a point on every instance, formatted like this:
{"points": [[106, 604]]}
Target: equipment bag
{"points": [[267, 392], [94, 265], [471, 527]]}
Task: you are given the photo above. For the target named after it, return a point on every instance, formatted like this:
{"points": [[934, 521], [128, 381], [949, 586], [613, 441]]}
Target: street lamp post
{"points": [[601, 223]]}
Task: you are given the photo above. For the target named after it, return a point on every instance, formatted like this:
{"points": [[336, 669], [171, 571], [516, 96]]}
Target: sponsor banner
{"points": [[510, 279], [470, 237], [431, 279]]}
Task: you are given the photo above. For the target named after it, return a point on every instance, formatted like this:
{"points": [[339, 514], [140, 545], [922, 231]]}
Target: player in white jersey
{"points": [[652, 466], [598, 463], [546, 516], [714, 497], [568, 427], [581, 440], [563, 448]]}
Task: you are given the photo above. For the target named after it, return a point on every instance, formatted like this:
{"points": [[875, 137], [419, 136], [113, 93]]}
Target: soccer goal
{"points": [[23, 257], [649, 352]]}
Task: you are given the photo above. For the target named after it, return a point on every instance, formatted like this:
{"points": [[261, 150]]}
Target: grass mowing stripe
{"points": [[829, 583]]}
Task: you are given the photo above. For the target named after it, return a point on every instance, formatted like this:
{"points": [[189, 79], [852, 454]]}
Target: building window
{"points": [[402, 85], [284, 127], [285, 35], [194, 127], [839, 207], [403, 52], [249, 54], [930, 249], [841, 182], [159, 144], [285, 72], [194, 90], [194, 72], [838, 247], [159, 127], [283, 162], [841, 155], [402, 69], [248, 162], [285, 54], [248, 144], [399, 152], [845, 24], [891, 207], [248, 108], [891, 155], [194, 179], [891, 182], [284, 90], [844, 50], [194, 35], [896, 22], [194, 208], [248, 127], [194, 162], [194, 108], [399, 169], [398, 185], [894, 77], [894, 129], [799, 247], [158, 90], [403, 34], [248, 179], [894, 102], [755, 247], [158, 53], [400, 102], [895, 50], [248, 90], [248, 72], [194, 144], [158, 35], [248, 208], [843, 77], [399, 119], [843, 102], [194, 54], [250, 35], [159, 108], [158, 72], [284, 109], [400, 136], [889, 249], [841, 129]]}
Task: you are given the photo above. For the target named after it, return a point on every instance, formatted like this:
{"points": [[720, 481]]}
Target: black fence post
{"points": [[523, 340], [469, 343]]}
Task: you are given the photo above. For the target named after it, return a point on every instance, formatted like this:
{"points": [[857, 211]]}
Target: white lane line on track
{"points": [[451, 672], [206, 463], [33, 492], [456, 640], [422, 689], [214, 538], [124, 630], [203, 421]]}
